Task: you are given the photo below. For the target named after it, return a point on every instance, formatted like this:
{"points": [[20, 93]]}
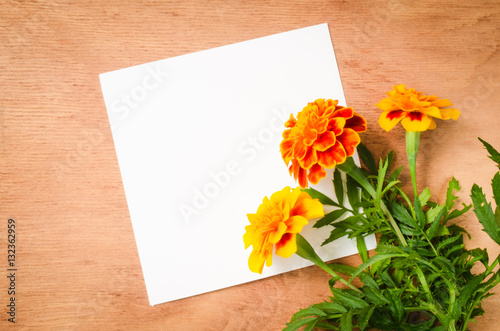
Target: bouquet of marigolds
{"points": [[420, 276]]}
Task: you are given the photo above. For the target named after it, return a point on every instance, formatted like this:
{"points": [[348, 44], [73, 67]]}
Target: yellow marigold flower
{"points": [[413, 109], [276, 223], [323, 135]]}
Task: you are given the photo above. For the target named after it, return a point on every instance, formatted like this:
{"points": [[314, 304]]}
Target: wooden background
{"points": [[78, 267]]}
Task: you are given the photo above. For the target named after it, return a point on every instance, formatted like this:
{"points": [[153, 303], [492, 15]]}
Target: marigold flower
{"points": [[323, 135], [276, 223], [413, 109]]}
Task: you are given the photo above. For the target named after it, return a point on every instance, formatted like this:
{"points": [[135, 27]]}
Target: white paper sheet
{"points": [[197, 140]]}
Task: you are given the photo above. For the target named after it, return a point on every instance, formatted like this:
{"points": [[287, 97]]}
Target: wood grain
{"points": [[78, 267]]}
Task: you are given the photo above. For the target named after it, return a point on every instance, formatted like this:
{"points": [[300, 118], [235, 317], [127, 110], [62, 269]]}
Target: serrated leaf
{"points": [[334, 235], [364, 317], [374, 259], [353, 192], [395, 174], [494, 155], [329, 218], [338, 185], [382, 170], [346, 321], [348, 300], [361, 246], [298, 324], [424, 196], [367, 158], [342, 268], [401, 214], [458, 212], [448, 241], [330, 307], [368, 280], [419, 213], [375, 296], [484, 213], [495, 185], [396, 305], [321, 197], [453, 185], [307, 312]]}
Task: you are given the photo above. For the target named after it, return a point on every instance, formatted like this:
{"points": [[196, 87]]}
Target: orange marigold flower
{"points": [[277, 222], [413, 109], [323, 135]]}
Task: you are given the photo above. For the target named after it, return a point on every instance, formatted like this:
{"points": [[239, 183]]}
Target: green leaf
{"points": [[367, 158], [497, 215], [307, 312], [368, 280], [419, 213], [342, 268], [348, 300], [330, 307], [448, 241], [364, 317], [346, 321], [338, 185], [353, 192], [299, 323], [321, 197], [434, 215], [381, 176], [495, 185], [401, 214], [361, 245], [395, 174], [335, 234], [375, 296], [453, 185], [396, 305], [424, 196], [494, 155], [329, 218], [484, 213], [458, 212], [374, 259]]}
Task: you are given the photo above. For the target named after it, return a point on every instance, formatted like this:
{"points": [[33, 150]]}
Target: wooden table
{"points": [[76, 258]]}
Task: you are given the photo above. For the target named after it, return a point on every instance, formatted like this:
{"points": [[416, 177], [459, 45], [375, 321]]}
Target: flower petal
{"points": [[350, 140], [295, 224], [432, 111], [450, 113], [442, 103], [357, 123], [389, 119], [309, 159], [287, 246], [291, 122], [316, 173], [387, 105], [307, 207], [416, 121], [336, 125], [275, 236], [332, 156], [302, 177], [324, 141]]}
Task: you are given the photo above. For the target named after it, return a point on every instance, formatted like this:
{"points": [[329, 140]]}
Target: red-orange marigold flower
{"points": [[413, 109], [323, 135]]}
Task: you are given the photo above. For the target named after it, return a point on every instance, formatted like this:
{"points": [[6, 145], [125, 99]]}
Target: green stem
{"points": [[350, 168], [305, 251], [412, 144]]}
